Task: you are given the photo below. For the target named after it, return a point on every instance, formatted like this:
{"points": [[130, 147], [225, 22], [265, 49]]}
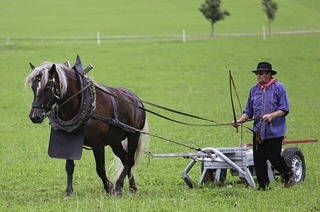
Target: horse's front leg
{"points": [[100, 168], [69, 169]]}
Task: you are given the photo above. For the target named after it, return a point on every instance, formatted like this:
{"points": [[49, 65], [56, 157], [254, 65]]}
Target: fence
{"points": [[183, 37]]}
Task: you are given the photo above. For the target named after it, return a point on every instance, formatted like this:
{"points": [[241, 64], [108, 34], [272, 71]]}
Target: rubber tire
{"points": [[295, 160]]}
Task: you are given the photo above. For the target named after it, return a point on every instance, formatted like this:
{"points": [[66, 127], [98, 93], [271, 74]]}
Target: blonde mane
{"points": [[44, 71]]}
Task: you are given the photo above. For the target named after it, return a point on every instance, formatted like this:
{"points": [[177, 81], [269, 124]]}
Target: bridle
{"points": [[55, 92], [49, 98], [52, 105]]}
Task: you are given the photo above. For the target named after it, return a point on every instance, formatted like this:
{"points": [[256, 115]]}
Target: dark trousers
{"points": [[269, 149]]}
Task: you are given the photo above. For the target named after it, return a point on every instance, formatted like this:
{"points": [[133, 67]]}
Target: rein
{"points": [[132, 129], [56, 108], [168, 109]]}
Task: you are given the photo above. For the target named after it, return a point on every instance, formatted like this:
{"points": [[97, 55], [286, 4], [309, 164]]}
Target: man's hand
{"points": [[243, 118], [267, 117], [236, 124]]}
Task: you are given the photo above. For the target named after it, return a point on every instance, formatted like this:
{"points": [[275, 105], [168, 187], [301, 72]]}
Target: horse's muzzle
{"points": [[36, 115]]}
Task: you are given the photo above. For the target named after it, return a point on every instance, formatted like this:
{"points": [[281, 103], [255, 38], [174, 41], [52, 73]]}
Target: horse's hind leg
{"points": [[69, 169], [122, 155], [128, 164], [100, 168], [132, 184]]}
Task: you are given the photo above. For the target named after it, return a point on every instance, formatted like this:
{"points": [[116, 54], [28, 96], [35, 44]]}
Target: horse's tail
{"points": [[143, 144]]}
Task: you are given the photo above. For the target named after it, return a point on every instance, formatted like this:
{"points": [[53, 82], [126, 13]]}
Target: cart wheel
{"points": [[295, 159]]}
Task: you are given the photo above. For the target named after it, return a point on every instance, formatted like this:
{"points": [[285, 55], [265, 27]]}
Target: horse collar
{"points": [[87, 106]]}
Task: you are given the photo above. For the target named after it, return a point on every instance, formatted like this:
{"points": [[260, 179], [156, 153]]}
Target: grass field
{"points": [[42, 19], [191, 76]]}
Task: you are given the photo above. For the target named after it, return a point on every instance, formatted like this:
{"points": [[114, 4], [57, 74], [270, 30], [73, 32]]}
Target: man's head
{"points": [[264, 72], [264, 66]]}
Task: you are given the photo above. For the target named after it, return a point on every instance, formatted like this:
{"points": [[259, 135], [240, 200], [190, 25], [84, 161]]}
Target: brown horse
{"points": [[103, 115]]}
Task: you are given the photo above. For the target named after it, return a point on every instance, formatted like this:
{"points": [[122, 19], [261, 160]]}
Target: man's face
{"points": [[263, 77]]}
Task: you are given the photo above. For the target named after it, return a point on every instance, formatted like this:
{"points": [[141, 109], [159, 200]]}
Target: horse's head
{"points": [[45, 82]]}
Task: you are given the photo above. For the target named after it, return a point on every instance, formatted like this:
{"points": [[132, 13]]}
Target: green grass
{"points": [[60, 18], [191, 76]]}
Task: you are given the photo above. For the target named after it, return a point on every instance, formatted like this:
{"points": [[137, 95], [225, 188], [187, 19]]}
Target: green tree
{"points": [[211, 11], [270, 8]]}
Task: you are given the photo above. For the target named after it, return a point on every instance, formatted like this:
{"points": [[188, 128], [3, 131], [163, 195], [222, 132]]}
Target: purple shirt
{"points": [[264, 101]]}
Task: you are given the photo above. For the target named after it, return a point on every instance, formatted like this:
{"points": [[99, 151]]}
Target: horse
{"points": [[104, 116]]}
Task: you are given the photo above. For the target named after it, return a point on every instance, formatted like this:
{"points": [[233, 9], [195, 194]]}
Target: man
{"points": [[268, 104]]}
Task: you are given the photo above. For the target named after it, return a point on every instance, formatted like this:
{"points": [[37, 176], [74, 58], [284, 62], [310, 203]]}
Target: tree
{"points": [[270, 8], [211, 11]]}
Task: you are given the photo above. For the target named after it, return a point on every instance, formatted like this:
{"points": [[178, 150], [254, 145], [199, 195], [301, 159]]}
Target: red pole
{"points": [[284, 142], [299, 141]]}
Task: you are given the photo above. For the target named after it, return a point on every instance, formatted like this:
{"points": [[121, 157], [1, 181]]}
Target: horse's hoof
{"points": [[116, 193], [69, 194], [66, 198], [110, 187], [133, 190]]}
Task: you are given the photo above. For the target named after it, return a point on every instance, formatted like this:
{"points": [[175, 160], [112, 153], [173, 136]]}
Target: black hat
{"points": [[265, 66]]}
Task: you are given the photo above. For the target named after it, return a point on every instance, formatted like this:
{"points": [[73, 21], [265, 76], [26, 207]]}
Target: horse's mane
{"points": [[44, 71]]}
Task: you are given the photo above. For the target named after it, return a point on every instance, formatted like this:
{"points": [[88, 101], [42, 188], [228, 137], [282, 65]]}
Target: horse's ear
{"points": [[32, 66], [52, 70], [67, 63]]}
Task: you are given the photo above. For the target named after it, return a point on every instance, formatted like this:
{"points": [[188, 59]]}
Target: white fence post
{"points": [[264, 32], [184, 35], [8, 40], [98, 38]]}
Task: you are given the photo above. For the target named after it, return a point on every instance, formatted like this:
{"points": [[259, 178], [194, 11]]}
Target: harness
{"points": [[87, 107], [87, 104], [116, 120], [86, 112]]}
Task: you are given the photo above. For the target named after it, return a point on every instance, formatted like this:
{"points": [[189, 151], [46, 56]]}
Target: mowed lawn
{"points": [[191, 77]]}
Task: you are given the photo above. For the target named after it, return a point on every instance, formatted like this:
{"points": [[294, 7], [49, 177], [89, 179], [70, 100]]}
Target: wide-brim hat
{"points": [[265, 66]]}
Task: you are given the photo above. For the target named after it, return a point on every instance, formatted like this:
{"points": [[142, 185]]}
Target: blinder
{"points": [[55, 90]]}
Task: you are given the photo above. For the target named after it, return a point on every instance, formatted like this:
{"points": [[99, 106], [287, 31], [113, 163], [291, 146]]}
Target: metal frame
{"points": [[237, 159]]}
